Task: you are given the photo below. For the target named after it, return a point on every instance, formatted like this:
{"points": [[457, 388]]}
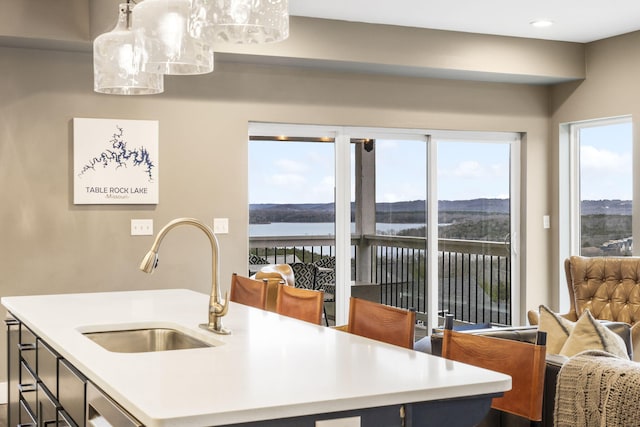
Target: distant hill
{"points": [[304, 212], [609, 207], [412, 211]]}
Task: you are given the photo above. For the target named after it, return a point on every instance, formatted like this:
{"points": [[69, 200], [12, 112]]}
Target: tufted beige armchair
{"points": [[608, 286]]}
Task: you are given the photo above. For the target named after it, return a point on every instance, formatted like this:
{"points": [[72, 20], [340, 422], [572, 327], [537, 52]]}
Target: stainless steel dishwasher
{"points": [[104, 412]]}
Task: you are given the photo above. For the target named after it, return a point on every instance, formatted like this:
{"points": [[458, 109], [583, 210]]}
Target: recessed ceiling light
{"points": [[541, 23]]}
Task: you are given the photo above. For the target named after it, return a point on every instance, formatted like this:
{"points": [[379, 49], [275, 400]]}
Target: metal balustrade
{"points": [[474, 276]]}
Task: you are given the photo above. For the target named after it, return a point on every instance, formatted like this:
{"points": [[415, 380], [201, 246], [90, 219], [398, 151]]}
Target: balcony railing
{"points": [[473, 276]]}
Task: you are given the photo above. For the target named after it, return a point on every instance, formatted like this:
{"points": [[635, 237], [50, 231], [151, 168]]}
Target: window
{"points": [[602, 187], [291, 188]]}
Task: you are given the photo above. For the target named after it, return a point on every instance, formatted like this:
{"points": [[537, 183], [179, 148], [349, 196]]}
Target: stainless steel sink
{"points": [[145, 340]]}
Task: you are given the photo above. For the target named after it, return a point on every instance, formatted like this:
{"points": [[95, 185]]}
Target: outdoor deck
{"points": [[473, 276]]}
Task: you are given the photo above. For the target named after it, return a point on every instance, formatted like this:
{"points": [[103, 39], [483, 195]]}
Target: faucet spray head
{"points": [[149, 262]]}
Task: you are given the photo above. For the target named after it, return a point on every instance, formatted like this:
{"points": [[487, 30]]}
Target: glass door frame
{"points": [[342, 136], [514, 140]]}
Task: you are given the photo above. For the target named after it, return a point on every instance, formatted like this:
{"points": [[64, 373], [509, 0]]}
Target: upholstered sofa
{"points": [[553, 365], [609, 287]]}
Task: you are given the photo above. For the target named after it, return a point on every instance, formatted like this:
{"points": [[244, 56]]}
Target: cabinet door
{"points": [[71, 391], [48, 367]]}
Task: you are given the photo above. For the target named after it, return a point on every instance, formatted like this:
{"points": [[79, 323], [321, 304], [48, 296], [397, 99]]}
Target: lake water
{"points": [[316, 228]]}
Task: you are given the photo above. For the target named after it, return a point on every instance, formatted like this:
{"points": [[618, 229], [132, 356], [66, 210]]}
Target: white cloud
{"points": [[469, 169], [288, 180], [288, 165], [600, 160], [605, 174], [322, 192], [498, 169], [391, 196], [328, 181]]}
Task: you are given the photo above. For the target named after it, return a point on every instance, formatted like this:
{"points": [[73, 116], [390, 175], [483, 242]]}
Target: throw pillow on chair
{"points": [[570, 338]]}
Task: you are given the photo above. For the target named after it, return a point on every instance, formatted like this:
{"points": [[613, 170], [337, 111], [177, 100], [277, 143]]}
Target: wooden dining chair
{"points": [[381, 322], [303, 304], [524, 361], [248, 291]]}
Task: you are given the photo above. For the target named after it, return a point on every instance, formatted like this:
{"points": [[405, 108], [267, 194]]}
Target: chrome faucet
{"points": [[216, 309]]}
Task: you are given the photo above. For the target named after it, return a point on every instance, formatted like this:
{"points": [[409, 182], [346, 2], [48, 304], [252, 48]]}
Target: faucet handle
{"points": [[224, 307], [216, 311]]}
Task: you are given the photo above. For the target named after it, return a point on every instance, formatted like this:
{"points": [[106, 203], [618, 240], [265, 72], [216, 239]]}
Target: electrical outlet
{"points": [[221, 225], [142, 227], [340, 422], [546, 221]]}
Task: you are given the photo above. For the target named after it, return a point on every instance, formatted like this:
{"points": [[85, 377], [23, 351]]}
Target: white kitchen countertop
{"points": [[269, 367]]}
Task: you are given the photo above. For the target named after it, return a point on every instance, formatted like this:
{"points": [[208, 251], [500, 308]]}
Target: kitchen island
{"points": [[271, 370]]}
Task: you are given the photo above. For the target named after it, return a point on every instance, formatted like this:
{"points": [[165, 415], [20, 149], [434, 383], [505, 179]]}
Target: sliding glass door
{"points": [[422, 221], [474, 230]]}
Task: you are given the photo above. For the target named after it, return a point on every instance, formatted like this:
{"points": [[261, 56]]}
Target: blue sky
{"points": [[290, 172], [303, 172], [606, 167]]}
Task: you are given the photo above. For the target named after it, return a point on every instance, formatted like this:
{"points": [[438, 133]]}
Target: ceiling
{"points": [[580, 21]]}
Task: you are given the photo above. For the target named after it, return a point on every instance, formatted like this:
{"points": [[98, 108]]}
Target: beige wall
{"points": [[611, 89], [329, 44], [49, 245]]}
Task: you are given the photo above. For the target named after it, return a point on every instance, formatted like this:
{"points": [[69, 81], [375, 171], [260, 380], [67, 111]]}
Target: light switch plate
{"points": [[340, 422], [546, 221], [142, 227], [221, 225]]}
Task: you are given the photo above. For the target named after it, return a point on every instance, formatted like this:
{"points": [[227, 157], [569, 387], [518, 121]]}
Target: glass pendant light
{"points": [[117, 62], [169, 34], [247, 21]]}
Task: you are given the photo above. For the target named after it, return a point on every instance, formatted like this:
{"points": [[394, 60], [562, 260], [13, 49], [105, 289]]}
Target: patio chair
{"points": [[305, 275], [255, 263], [326, 280]]}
